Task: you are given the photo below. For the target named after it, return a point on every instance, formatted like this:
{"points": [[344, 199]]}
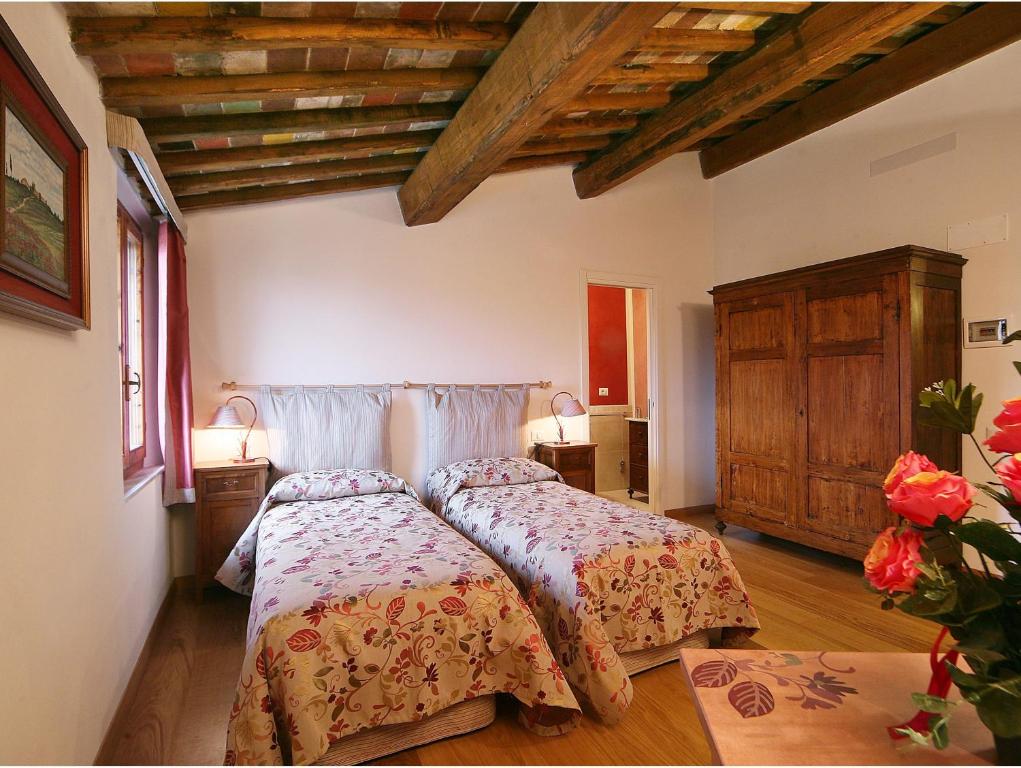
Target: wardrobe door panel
{"points": [[756, 418], [852, 409]]}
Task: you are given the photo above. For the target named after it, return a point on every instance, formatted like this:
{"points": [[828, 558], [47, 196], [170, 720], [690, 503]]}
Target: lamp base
{"points": [[242, 461], [558, 442]]}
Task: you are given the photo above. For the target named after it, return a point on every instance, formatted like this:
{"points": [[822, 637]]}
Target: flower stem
{"points": [[981, 453]]}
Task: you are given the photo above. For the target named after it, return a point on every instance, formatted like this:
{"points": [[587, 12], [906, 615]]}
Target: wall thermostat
{"points": [[985, 333]]}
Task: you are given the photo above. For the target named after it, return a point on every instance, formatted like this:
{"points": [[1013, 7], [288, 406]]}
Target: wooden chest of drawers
{"points": [[638, 457], [575, 461], [227, 496]]}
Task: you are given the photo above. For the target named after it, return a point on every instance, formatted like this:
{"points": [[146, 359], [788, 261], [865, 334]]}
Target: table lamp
{"points": [[227, 417], [572, 407]]}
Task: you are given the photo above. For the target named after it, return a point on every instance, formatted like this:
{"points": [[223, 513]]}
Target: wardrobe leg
{"points": [[721, 526]]}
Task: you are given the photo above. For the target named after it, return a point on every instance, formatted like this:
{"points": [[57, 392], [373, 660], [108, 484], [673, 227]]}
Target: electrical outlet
{"points": [[536, 436], [604, 391]]}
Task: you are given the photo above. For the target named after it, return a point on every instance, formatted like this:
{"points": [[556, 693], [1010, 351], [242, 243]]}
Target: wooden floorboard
{"points": [[806, 600]]}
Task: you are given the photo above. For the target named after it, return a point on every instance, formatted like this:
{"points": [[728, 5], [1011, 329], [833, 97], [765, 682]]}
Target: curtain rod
{"points": [[233, 385]]}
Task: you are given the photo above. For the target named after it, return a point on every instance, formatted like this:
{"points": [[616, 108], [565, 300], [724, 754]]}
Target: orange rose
{"points": [[925, 496], [890, 565], [1008, 438], [909, 464], [1009, 472]]}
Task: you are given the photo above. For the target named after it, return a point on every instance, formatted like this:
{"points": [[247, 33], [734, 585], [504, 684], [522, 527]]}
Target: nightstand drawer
{"points": [[231, 484], [573, 461]]}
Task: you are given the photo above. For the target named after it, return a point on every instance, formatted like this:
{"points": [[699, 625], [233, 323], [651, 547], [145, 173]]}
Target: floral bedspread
{"points": [[367, 611], [602, 578]]}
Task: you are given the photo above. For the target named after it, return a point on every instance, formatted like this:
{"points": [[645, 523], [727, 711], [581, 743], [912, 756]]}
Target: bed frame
{"points": [[368, 745], [647, 658]]}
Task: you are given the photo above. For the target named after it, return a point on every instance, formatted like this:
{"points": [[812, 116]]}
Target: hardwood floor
{"points": [[805, 600]]}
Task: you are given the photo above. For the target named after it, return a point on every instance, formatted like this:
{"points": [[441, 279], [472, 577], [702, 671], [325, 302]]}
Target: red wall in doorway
{"points": [[607, 344]]}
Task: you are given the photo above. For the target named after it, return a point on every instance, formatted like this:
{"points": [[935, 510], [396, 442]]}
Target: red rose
{"points": [[890, 565], [909, 464], [1009, 472], [1008, 438], [923, 497]]}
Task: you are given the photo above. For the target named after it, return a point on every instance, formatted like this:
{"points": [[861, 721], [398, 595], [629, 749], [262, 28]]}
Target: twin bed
{"points": [[377, 625]]}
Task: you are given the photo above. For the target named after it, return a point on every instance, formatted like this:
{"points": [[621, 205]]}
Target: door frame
{"points": [[652, 285]]}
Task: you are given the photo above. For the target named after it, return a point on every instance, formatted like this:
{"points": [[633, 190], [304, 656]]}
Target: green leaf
{"points": [[1017, 363], [918, 738], [935, 705], [991, 540], [999, 707], [1016, 336], [940, 734]]}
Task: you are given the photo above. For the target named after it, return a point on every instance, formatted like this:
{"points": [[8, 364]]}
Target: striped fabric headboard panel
{"points": [[475, 424], [326, 429]]}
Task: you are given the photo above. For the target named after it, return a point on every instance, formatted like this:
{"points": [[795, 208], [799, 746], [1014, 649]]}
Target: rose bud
{"points": [[1008, 438], [890, 565], [925, 496], [908, 464]]}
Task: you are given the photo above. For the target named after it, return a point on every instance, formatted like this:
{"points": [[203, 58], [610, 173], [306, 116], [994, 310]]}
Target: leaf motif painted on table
{"points": [[629, 564], [395, 609], [751, 699], [304, 640], [667, 561], [453, 606], [714, 674]]}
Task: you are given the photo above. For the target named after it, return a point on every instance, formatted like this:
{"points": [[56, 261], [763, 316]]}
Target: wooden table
{"points": [[826, 708]]}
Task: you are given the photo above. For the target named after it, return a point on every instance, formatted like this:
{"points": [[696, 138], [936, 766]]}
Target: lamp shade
{"points": [[226, 417], [572, 407]]}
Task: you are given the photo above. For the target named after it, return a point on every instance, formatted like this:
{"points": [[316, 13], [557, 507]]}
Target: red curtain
{"points": [[178, 486]]}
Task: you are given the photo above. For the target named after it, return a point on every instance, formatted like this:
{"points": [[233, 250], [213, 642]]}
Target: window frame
{"points": [[134, 459]]}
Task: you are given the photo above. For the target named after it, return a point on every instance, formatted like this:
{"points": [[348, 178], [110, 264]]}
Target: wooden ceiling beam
{"points": [[561, 146], [169, 34], [163, 129], [557, 52], [588, 126], [525, 163], [797, 52], [198, 183], [616, 102], [272, 193], [696, 40], [981, 31], [120, 92], [652, 74], [236, 158], [768, 8]]}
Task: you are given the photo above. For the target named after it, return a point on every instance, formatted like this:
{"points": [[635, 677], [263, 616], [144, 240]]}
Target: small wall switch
{"points": [[604, 391], [536, 436]]}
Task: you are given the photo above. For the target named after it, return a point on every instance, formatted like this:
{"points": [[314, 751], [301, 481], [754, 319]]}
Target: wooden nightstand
{"points": [[575, 461], [227, 496]]}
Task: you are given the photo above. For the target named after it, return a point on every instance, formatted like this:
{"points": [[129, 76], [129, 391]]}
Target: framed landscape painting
{"points": [[44, 267]]}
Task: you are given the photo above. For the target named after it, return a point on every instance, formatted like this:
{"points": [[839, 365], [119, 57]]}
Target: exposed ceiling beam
{"points": [[764, 8], [235, 158], [651, 74], [540, 161], [256, 123], [799, 51], [976, 34], [169, 34], [274, 192], [563, 145], [605, 102], [208, 89], [696, 40], [588, 126], [557, 52]]}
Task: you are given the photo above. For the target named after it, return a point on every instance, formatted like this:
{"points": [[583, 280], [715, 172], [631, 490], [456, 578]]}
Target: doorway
{"points": [[619, 384]]}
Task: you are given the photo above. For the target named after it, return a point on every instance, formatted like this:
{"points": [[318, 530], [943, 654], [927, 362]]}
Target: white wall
{"points": [[815, 200], [83, 572], [338, 290]]}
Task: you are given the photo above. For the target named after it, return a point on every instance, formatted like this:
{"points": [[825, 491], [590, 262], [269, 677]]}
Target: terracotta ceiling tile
{"points": [[293, 10], [109, 65], [334, 10], [377, 10], [287, 60], [142, 64], [421, 11], [244, 62], [366, 58], [218, 142], [458, 11]]}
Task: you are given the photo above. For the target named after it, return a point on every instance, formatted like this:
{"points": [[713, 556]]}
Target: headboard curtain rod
{"points": [[233, 385]]}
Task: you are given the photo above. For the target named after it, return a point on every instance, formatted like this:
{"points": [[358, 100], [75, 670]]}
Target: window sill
{"points": [[140, 479]]}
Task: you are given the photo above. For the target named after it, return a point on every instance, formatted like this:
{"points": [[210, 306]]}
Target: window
{"points": [[132, 342]]}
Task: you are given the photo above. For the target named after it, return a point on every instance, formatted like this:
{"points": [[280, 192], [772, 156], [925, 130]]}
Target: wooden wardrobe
{"points": [[817, 378]]}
